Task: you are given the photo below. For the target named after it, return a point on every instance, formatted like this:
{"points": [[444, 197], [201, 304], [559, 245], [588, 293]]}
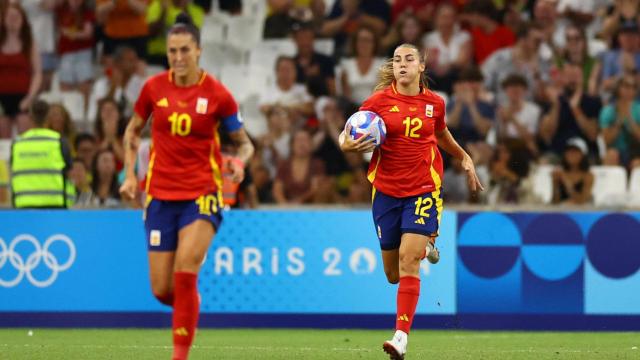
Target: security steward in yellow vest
{"points": [[40, 159]]}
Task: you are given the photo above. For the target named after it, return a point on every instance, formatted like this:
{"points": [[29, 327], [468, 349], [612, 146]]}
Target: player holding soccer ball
{"points": [[406, 173], [184, 181]]}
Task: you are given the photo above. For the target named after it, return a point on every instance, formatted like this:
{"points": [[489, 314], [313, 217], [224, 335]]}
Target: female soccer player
{"points": [[184, 183], [406, 172]]}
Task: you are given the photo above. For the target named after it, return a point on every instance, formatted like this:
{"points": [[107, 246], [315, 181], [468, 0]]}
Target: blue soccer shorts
{"points": [[393, 216], [163, 219]]}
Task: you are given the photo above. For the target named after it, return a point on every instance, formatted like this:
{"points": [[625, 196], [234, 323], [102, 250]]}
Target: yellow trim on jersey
{"points": [[373, 193], [372, 175], [147, 201], [215, 168], [438, 186], [150, 171], [393, 88], [204, 76]]}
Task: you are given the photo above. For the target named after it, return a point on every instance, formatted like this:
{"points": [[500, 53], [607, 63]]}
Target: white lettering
{"points": [[223, 259], [274, 261], [295, 255], [332, 256], [251, 258]]}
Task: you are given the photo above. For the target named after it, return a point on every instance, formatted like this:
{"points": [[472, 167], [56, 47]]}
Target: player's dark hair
{"points": [[385, 73], [184, 25]]}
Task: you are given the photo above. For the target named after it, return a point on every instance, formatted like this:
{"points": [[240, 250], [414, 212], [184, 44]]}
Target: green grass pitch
{"points": [[139, 344]]}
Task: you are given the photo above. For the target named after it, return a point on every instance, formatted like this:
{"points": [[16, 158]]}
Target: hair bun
{"points": [[184, 18]]}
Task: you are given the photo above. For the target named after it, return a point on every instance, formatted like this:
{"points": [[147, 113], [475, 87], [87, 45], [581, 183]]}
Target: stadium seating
{"points": [[609, 185], [543, 182]]}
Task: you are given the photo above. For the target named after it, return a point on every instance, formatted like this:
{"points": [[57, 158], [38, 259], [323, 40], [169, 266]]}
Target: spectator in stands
{"points": [[487, 33], [161, 15], [576, 51], [4, 184], [508, 168], [623, 12], [522, 58], [75, 46], [407, 30], [572, 113], [298, 179], [469, 116], [449, 48], [311, 66], [123, 24], [41, 16], [276, 143], [59, 120], [283, 14], [104, 185], [620, 121], [262, 181], [82, 181], [358, 73], [347, 15], [572, 182], [121, 82], [86, 147], [545, 15], [109, 129], [424, 10], [20, 65], [40, 159], [286, 93], [518, 118], [457, 190], [24, 122], [623, 59]]}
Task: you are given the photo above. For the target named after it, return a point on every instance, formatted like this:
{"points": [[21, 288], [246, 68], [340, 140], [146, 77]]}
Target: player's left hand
{"points": [[237, 170], [472, 178]]}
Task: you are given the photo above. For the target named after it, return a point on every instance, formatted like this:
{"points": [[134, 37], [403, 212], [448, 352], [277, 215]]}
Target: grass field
{"points": [[141, 344]]}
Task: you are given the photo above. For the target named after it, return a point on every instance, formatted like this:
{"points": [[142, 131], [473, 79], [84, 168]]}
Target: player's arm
{"points": [[240, 138], [451, 146], [131, 145]]}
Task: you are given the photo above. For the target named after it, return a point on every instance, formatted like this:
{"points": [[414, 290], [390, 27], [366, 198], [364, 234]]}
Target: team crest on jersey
{"points": [[201, 105], [429, 110]]}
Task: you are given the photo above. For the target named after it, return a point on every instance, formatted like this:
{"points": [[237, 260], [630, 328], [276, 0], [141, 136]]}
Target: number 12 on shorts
{"points": [[423, 204]]}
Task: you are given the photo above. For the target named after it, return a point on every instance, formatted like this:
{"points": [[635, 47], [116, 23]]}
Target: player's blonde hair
{"points": [[385, 72]]}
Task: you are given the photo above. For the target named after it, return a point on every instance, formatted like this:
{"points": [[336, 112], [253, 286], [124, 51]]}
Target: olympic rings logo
{"points": [[40, 253]]}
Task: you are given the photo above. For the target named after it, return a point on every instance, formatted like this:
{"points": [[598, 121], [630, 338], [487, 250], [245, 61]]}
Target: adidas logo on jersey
{"points": [[420, 221], [163, 102], [394, 109]]}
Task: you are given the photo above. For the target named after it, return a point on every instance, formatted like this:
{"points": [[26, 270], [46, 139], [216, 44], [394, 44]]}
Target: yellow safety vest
{"points": [[37, 171]]}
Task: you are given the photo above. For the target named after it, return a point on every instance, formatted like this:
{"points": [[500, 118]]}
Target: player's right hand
{"points": [[363, 144], [129, 187]]}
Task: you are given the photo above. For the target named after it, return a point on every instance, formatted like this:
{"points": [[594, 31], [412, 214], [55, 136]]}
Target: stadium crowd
{"points": [[529, 84]]}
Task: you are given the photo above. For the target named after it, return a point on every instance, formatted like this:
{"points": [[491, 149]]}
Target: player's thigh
{"points": [[161, 271], [390, 262], [161, 228], [193, 242]]}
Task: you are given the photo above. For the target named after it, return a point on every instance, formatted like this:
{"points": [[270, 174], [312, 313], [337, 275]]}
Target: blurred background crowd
{"points": [[543, 94]]}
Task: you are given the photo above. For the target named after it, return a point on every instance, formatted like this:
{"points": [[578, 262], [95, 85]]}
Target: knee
{"points": [[189, 263], [393, 277], [165, 298], [410, 263]]}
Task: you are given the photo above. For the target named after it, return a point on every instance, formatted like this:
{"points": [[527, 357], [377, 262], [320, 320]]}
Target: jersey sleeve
{"points": [[144, 104], [440, 123], [227, 105], [371, 104]]}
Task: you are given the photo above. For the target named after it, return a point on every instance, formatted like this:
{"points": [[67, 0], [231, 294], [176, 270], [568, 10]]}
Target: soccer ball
{"points": [[363, 122]]}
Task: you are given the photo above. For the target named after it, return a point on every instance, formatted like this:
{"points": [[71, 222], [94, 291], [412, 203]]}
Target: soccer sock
{"points": [[408, 294], [185, 313]]}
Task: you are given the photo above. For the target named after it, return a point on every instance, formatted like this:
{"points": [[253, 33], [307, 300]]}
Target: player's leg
{"points": [[390, 261], [410, 254], [194, 240], [162, 240]]}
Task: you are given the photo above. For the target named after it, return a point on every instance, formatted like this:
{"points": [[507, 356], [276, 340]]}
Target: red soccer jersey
{"points": [[409, 162], [185, 159]]}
